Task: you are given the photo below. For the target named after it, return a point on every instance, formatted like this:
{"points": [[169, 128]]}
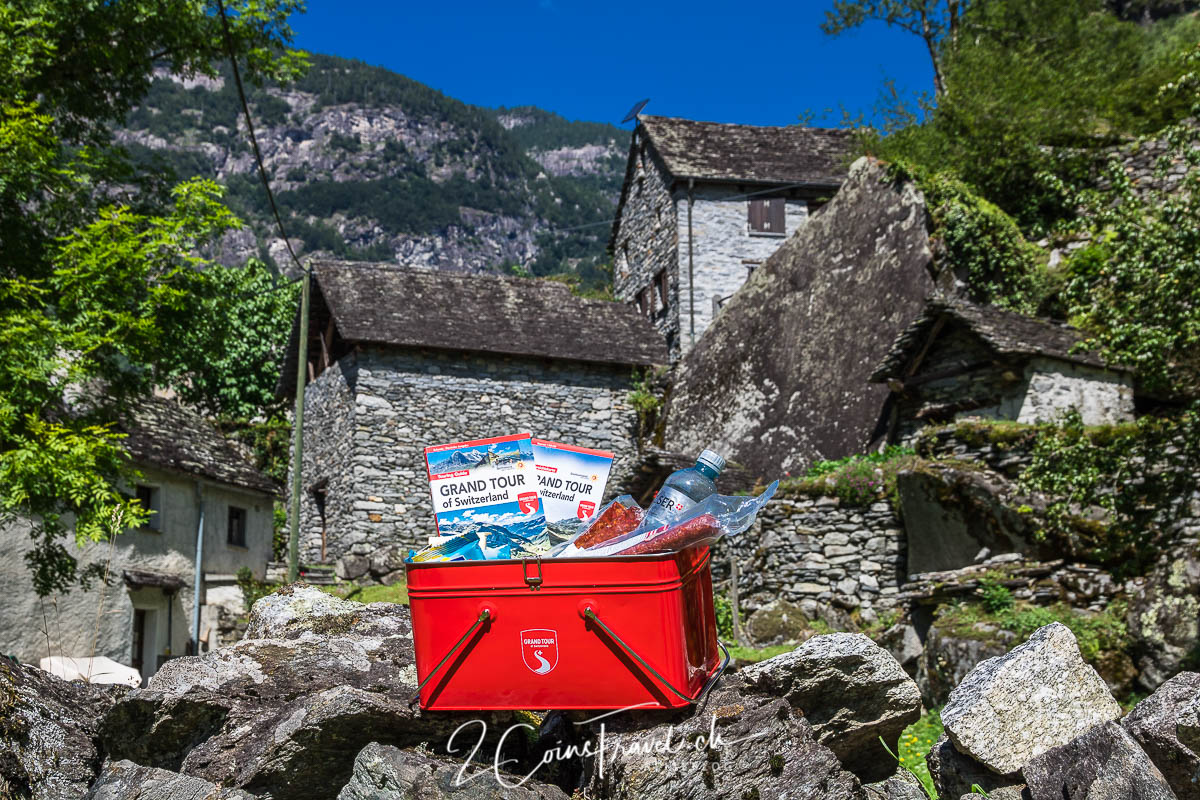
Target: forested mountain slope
{"points": [[369, 164]]}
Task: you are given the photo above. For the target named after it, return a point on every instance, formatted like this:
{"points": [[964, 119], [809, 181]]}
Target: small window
{"points": [[149, 498], [664, 291], [643, 301], [768, 216], [237, 527]]}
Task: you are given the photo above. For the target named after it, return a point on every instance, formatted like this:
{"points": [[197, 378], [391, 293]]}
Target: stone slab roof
{"points": [[162, 433], [385, 304], [1007, 333], [750, 153]]}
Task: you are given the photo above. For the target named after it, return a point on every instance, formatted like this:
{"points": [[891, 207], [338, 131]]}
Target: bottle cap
{"points": [[711, 459]]}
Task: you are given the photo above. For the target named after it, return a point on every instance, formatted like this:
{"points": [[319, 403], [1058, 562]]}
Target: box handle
{"points": [[708, 685], [534, 582], [484, 616]]}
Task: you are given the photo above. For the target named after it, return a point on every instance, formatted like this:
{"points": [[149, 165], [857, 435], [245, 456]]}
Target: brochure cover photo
{"points": [[570, 480], [487, 487]]}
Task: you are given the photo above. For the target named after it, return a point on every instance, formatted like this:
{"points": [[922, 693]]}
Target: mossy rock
{"points": [[778, 622]]}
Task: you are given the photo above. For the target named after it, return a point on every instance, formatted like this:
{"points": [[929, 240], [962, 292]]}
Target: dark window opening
{"points": [[237, 527], [319, 502], [643, 301], [664, 292], [139, 639], [148, 498], [768, 216]]}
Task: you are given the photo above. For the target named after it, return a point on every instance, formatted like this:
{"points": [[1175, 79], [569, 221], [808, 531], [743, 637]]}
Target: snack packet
{"points": [[620, 517], [707, 521]]}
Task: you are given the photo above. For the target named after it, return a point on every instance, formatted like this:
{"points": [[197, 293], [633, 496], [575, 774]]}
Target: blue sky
{"points": [[760, 63]]}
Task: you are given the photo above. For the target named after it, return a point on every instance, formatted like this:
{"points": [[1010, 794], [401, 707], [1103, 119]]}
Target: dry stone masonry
{"points": [[816, 550]]}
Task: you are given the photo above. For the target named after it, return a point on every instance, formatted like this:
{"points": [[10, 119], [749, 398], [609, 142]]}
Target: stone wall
{"points": [[648, 244], [1153, 165], [725, 252], [814, 548], [373, 417], [329, 433], [1101, 396]]}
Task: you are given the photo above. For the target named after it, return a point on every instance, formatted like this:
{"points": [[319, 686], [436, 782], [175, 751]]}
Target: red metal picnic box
{"points": [[565, 633]]}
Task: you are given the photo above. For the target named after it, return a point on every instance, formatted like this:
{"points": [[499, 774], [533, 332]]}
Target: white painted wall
{"points": [[1102, 397], [100, 621], [722, 242]]}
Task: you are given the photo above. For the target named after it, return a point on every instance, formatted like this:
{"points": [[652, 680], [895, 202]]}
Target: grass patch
{"points": [[915, 743], [395, 593], [756, 654], [857, 480], [1095, 633]]}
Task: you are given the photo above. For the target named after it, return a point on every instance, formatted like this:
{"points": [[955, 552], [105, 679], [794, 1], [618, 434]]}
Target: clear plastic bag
{"points": [[704, 523]]}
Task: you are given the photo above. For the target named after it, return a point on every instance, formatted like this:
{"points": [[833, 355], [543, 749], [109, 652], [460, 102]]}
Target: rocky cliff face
{"points": [[368, 164]]}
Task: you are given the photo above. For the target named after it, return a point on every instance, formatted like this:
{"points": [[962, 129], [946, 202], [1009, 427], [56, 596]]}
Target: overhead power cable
{"points": [[262, 171]]}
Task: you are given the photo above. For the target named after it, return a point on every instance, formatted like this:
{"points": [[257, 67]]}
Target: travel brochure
{"points": [[492, 498]]}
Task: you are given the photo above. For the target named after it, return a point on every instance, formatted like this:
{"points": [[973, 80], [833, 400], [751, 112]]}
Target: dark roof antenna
{"points": [[633, 112]]}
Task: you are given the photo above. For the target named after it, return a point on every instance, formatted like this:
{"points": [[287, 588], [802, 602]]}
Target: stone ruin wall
{"points": [[814, 549], [369, 419]]}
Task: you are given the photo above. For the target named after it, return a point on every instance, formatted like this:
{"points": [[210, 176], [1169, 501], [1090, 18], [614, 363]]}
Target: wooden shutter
{"points": [[776, 220], [758, 215], [663, 290]]}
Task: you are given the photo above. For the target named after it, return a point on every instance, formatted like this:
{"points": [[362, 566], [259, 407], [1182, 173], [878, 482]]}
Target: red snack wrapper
{"points": [[698, 529], [616, 520]]}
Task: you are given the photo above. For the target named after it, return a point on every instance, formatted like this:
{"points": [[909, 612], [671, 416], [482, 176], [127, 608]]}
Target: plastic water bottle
{"points": [[683, 489]]}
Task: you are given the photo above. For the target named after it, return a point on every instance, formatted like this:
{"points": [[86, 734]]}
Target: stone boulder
{"points": [[298, 611], [1165, 726], [1102, 764], [777, 622], [388, 773], [1164, 618], [1014, 707], [48, 730], [351, 567], [125, 780], [901, 786], [780, 377], [387, 564], [954, 774], [950, 654], [851, 691], [905, 645], [284, 715], [741, 744]]}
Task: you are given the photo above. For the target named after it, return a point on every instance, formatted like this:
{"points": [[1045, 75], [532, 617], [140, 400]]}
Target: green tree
{"points": [[226, 363], [1032, 90], [932, 20], [99, 277]]}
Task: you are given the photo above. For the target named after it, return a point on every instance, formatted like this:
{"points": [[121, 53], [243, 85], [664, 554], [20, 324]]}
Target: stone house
{"points": [[958, 359], [704, 204], [191, 478], [401, 358]]}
